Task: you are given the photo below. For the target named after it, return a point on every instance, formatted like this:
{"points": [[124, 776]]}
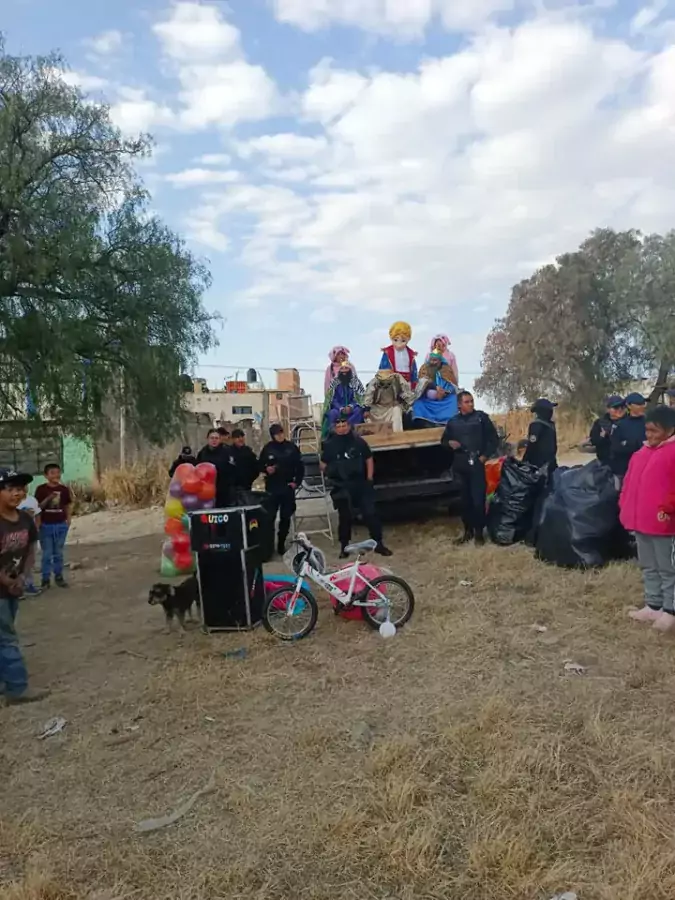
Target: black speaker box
{"points": [[229, 567]]}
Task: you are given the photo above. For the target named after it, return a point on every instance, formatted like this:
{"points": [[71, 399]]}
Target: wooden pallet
{"points": [[404, 438]]}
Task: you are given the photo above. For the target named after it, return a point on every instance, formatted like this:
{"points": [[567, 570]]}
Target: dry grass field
{"points": [[457, 760]]}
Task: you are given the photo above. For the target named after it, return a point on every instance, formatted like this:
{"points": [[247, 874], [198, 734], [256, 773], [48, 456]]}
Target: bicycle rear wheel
{"points": [[393, 600], [287, 622]]}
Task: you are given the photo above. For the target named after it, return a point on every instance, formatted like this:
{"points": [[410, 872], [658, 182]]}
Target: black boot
{"points": [[382, 550], [466, 538], [480, 538]]}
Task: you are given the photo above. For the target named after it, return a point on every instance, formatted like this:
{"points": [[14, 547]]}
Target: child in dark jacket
{"points": [[647, 505]]}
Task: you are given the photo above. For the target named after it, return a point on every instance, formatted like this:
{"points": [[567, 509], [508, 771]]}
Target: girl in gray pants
{"points": [[647, 505]]}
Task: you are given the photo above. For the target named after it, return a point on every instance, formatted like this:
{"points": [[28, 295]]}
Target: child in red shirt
{"points": [[56, 504]]}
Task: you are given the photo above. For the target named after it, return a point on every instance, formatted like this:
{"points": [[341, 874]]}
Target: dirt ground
{"points": [[457, 760]]}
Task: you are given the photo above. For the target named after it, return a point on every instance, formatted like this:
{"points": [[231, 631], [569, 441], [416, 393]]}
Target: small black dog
{"points": [[176, 601]]}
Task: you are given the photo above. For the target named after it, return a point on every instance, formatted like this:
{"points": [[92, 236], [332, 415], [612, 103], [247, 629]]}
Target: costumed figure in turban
{"points": [[337, 356], [344, 397], [388, 397], [398, 356], [436, 394], [441, 342]]}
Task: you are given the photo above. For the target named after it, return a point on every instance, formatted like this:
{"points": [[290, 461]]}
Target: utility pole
{"points": [[123, 423]]}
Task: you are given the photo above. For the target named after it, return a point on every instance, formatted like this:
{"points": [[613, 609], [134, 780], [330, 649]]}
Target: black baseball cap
{"points": [[614, 401], [276, 429], [671, 391], [542, 403], [9, 477], [635, 399]]}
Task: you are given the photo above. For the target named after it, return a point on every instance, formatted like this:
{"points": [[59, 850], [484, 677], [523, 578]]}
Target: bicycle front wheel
{"points": [[288, 619], [388, 597]]}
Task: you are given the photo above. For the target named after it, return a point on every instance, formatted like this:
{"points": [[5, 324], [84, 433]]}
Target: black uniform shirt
{"points": [[542, 447], [345, 457], [288, 461]]}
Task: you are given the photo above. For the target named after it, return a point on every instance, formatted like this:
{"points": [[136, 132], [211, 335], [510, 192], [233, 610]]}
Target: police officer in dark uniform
{"points": [[281, 461], [628, 436], [542, 439], [347, 461], [213, 452], [473, 439], [246, 465], [601, 430]]}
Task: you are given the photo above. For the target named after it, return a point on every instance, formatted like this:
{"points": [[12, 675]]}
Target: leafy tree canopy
{"points": [[587, 324], [98, 299]]}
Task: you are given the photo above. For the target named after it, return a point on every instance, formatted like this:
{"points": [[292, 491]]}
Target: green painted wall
{"points": [[78, 462]]}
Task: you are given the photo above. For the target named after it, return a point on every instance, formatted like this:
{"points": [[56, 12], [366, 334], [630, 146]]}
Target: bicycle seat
{"points": [[361, 546]]}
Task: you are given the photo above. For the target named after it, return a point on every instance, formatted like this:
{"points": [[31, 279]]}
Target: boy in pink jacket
{"points": [[647, 506]]}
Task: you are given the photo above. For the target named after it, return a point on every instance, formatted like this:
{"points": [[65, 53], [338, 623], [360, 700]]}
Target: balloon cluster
{"points": [[192, 487]]}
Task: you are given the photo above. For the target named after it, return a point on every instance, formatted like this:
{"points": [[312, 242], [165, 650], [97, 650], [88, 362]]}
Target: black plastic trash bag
{"points": [[511, 511], [578, 526]]}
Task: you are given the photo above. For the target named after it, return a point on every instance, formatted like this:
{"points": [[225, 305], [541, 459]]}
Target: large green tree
{"points": [[587, 324], [99, 300]]}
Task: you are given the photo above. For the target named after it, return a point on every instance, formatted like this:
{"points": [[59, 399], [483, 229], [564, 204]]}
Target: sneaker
{"points": [[382, 550], [664, 623], [30, 695], [31, 591], [60, 582], [646, 614]]}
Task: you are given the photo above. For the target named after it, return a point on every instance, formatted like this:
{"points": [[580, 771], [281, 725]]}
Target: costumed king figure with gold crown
{"points": [[436, 394], [398, 356], [388, 397], [343, 398]]}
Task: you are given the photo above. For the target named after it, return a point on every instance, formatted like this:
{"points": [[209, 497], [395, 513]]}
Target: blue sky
{"points": [[344, 164]]}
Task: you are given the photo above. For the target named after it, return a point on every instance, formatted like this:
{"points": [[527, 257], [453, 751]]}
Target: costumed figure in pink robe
{"points": [[337, 356], [440, 343]]}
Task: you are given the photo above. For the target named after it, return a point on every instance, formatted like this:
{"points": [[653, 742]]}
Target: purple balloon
{"points": [[175, 489], [208, 504], [191, 501], [167, 550]]}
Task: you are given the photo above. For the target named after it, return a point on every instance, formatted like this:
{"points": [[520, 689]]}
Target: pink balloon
{"points": [[168, 550]]}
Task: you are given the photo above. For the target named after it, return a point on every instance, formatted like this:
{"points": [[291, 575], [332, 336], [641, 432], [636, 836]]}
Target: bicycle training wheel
{"points": [[286, 623], [400, 601]]}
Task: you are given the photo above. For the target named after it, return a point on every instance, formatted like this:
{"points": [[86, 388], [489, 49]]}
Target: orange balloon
{"points": [[184, 470], [173, 526], [207, 491], [207, 472], [192, 484]]}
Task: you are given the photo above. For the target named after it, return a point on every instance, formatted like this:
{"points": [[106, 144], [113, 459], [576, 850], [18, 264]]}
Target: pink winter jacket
{"points": [[648, 489]]}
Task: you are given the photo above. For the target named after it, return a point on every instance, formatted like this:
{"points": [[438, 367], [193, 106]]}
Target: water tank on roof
{"points": [[251, 376]]}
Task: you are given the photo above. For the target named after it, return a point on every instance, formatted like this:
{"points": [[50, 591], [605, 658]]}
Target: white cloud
{"points": [[218, 86], [134, 112], [407, 18], [195, 31], [107, 43], [195, 177], [83, 81], [214, 159], [428, 190]]}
